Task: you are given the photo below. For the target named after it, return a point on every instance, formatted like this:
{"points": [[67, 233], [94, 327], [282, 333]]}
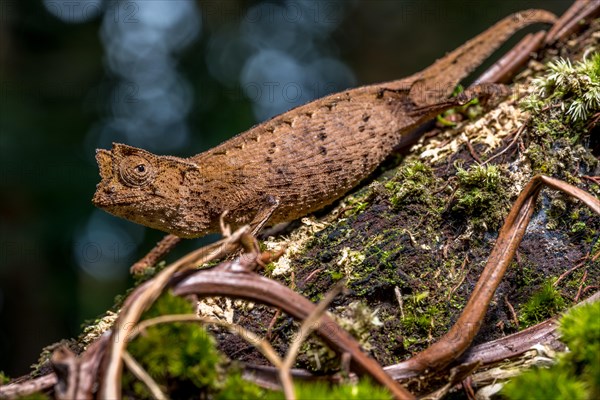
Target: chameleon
{"points": [[299, 161]]}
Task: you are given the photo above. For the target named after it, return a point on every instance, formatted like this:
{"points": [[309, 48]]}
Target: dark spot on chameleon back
{"points": [[323, 150]]}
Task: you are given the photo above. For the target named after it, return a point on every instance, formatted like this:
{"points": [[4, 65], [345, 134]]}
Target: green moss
{"points": [[414, 182], [235, 388], [363, 389], [543, 304], [4, 379], [481, 197], [580, 330], [179, 356], [575, 88], [545, 384], [421, 315], [566, 97], [576, 375]]}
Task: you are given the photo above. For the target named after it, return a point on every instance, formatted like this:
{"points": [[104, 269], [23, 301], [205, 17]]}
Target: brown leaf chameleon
{"points": [[299, 161]]}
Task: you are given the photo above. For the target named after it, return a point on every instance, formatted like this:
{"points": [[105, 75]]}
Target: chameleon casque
{"points": [[299, 161]]}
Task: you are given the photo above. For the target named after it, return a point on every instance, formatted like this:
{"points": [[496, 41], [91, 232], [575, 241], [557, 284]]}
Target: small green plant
{"points": [[180, 356], [480, 196], [413, 183], [576, 88], [4, 379], [543, 304], [576, 375]]}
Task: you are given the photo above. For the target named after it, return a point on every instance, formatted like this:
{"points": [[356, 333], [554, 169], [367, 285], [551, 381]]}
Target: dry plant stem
{"points": [[23, 388], [260, 289], [517, 136], [566, 273], [139, 372], [64, 364], [462, 333], [307, 327], [142, 298], [486, 354], [569, 21]]}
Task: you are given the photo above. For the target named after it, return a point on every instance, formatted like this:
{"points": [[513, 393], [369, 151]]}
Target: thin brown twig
{"points": [[462, 279], [143, 297], [462, 333], [594, 179], [585, 289], [272, 324], [513, 314], [472, 151], [307, 327], [140, 373], [517, 135], [581, 286], [570, 270], [311, 275]]}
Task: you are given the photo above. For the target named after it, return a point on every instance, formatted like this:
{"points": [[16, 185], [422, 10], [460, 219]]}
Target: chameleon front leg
{"points": [[168, 242], [164, 246], [263, 215]]}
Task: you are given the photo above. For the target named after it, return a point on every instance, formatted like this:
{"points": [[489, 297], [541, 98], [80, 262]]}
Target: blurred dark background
{"points": [[174, 77]]}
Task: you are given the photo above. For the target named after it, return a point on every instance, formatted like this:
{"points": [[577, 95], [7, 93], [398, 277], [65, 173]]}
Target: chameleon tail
{"points": [[435, 83]]}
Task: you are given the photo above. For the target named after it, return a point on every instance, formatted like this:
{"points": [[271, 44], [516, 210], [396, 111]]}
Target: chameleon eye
{"points": [[135, 171]]}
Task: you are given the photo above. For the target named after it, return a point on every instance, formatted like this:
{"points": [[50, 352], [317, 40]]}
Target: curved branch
{"points": [[253, 287]]}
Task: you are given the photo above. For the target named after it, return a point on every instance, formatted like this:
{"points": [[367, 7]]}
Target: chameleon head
{"points": [[148, 189]]}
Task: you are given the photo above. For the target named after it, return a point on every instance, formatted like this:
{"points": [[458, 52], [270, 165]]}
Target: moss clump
{"points": [[363, 389], [235, 388], [576, 375], [544, 304], [179, 356], [574, 88], [481, 198], [182, 359], [3, 378], [566, 97], [413, 183]]}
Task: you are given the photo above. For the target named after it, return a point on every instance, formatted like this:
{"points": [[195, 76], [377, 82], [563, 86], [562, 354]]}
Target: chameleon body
{"points": [[297, 162]]}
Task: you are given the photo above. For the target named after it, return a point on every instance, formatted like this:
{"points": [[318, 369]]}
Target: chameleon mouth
{"points": [[107, 200]]}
